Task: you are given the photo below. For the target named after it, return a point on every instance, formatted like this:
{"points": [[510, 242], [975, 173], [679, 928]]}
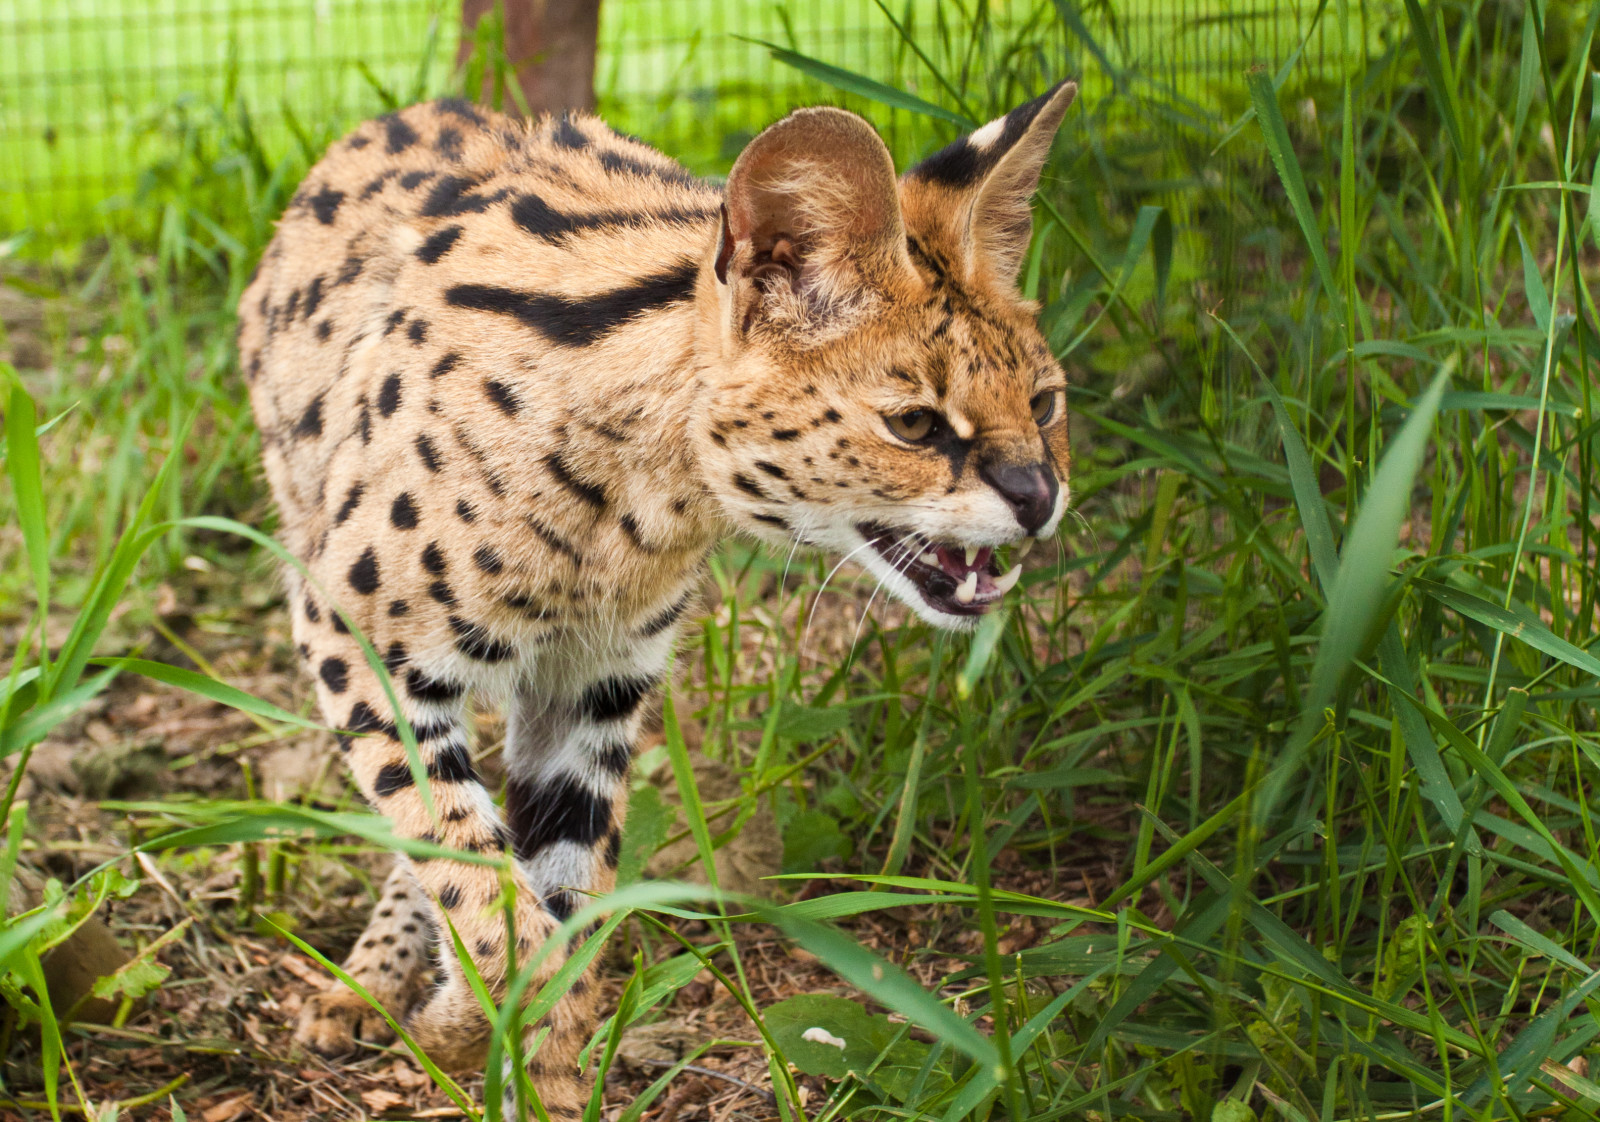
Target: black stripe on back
{"points": [[541, 220], [579, 321]]}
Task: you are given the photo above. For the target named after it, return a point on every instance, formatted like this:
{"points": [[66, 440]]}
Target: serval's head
{"points": [[879, 386]]}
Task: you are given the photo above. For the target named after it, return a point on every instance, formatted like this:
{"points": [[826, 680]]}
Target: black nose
{"points": [[1029, 488]]}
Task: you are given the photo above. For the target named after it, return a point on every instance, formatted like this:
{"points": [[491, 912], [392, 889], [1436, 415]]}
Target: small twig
{"points": [[698, 1070]]}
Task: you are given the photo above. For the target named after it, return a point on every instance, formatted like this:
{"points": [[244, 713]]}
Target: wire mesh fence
{"points": [[92, 92]]}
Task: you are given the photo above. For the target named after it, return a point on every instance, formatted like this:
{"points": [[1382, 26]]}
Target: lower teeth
{"points": [[967, 589]]}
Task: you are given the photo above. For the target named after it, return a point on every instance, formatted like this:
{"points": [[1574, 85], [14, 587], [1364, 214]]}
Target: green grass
{"points": [[1312, 674]]}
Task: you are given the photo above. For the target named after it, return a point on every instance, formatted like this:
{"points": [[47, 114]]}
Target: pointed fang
{"points": [[1006, 581], [967, 589], [972, 555]]}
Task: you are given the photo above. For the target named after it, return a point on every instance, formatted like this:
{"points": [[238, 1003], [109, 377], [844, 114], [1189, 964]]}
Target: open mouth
{"points": [[959, 580]]}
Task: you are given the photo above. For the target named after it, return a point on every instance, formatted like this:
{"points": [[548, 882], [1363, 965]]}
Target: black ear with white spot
{"points": [[993, 173]]}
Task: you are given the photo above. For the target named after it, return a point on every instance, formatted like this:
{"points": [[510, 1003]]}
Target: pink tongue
{"points": [[954, 561]]}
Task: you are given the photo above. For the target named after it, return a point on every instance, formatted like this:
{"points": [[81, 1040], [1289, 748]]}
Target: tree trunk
{"points": [[550, 45]]}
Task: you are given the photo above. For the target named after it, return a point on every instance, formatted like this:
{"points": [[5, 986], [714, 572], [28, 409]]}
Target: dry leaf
{"points": [[379, 1100], [303, 970], [229, 1110]]}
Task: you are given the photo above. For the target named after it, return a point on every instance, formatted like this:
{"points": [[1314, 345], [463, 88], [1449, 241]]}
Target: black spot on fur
{"points": [[335, 673], [445, 364], [417, 332], [618, 163], [561, 810], [403, 512], [395, 658], [313, 613], [441, 591], [313, 296], [425, 449], [785, 434], [560, 904], [748, 486], [566, 134], [389, 395], [612, 699], [458, 107], [363, 718], [351, 501], [448, 143], [399, 134], [658, 623], [431, 690], [450, 897], [325, 204], [364, 573], [503, 396], [465, 512], [310, 422], [411, 180], [474, 642], [832, 416], [552, 539], [452, 195], [488, 560], [772, 520], [433, 558], [324, 329], [439, 243], [579, 321], [398, 607], [394, 320], [590, 493], [772, 469], [615, 759], [376, 184]]}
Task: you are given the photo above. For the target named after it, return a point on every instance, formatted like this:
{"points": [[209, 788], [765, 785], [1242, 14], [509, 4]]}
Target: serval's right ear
{"points": [[812, 220]]}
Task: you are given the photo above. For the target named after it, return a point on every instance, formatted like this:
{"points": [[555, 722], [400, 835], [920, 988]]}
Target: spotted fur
{"points": [[515, 380]]}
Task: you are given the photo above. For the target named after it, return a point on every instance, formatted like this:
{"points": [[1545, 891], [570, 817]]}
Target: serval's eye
{"points": [[1044, 407], [914, 426]]}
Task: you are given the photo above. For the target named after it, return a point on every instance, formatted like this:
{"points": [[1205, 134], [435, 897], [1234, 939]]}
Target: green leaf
{"points": [[649, 824], [885, 982], [1443, 101], [142, 973], [833, 1036], [15, 938], [857, 84], [1529, 630], [1279, 147], [1533, 285], [984, 641], [808, 723], [22, 464], [1307, 494], [207, 687], [810, 838], [37, 723]]}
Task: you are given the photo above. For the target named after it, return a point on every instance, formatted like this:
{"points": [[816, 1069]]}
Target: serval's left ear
{"points": [[984, 184]]}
